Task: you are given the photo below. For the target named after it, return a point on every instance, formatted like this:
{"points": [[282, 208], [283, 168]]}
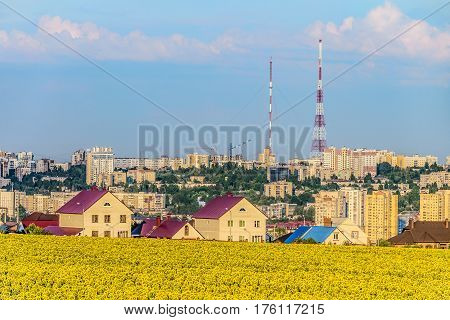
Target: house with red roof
{"points": [[94, 213], [168, 228], [40, 220], [231, 218]]}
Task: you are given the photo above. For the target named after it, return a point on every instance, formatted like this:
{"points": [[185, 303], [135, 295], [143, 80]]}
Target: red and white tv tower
{"points": [[319, 142], [270, 105]]}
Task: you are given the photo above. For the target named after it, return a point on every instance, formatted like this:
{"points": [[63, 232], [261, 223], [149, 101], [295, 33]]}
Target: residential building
{"points": [[96, 213], [277, 173], [266, 158], [279, 189], [78, 158], [41, 220], [415, 161], [440, 178], [141, 175], [10, 202], [353, 204], [44, 165], [318, 234], [350, 230], [64, 166], [328, 204], [231, 218], [380, 215], [197, 160], [143, 202], [427, 234], [279, 210], [168, 228], [99, 161], [435, 206]]}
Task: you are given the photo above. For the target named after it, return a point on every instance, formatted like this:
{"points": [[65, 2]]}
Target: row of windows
{"points": [[107, 234], [256, 223], [107, 218], [244, 239]]}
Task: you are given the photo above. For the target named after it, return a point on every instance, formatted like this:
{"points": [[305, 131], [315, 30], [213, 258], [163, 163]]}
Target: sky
{"points": [[77, 74]]}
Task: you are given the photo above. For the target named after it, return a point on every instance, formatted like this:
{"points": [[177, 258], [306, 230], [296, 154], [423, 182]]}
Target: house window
{"points": [[336, 236], [257, 224], [242, 223], [107, 204], [241, 238], [355, 234], [186, 231], [107, 234], [122, 234], [230, 238], [123, 218], [230, 223], [95, 233], [94, 218], [107, 218]]}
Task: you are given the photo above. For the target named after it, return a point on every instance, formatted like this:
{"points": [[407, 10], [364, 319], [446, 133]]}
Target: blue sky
{"points": [[206, 61]]}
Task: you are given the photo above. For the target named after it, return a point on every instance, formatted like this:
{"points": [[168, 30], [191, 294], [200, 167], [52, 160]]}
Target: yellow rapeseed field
{"points": [[48, 267]]}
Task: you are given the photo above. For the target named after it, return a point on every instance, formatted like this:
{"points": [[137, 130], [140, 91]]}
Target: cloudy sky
{"points": [[205, 63]]}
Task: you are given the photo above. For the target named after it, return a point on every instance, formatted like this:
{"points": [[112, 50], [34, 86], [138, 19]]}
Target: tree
{"points": [[35, 230]]}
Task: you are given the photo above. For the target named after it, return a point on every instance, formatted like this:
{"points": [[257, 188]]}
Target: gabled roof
{"points": [[39, 216], [62, 231], [297, 234], [167, 229], [82, 201], [317, 233], [217, 207], [423, 232]]}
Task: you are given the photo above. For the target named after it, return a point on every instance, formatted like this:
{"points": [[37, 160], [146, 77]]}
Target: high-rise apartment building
{"points": [[279, 189], [99, 161], [435, 206], [380, 215]]}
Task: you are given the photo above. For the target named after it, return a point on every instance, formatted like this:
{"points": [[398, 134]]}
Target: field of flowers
{"points": [[47, 267]]}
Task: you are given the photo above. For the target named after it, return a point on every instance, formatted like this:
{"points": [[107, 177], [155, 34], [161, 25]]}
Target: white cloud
{"points": [[379, 26], [103, 44]]}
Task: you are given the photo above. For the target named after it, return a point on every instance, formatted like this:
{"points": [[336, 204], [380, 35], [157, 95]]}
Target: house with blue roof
{"points": [[336, 231], [320, 234]]}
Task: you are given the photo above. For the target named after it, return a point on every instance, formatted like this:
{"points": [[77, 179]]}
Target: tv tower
{"points": [[319, 142], [270, 105]]}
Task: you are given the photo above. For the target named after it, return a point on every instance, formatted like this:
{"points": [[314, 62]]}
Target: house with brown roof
{"points": [[94, 213], [231, 218], [427, 234], [41, 220], [168, 228]]}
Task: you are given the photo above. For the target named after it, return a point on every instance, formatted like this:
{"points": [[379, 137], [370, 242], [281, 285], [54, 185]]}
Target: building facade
{"points": [[380, 215]]}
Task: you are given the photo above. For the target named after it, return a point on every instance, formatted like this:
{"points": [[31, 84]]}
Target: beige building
{"points": [[10, 202], [435, 206], [380, 215], [351, 232], [141, 175], [96, 213], [231, 218], [143, 202], [441, 178], [327, 205], [266, 158], [99, 161], [415, 161], [279, 210], [197, 160], [278, 189], [344, 161]]}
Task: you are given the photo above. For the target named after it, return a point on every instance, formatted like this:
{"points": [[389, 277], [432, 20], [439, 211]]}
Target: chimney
{"points": [[446, 223], [411, 224], [168, 217], [327, 222], [158, 221]]}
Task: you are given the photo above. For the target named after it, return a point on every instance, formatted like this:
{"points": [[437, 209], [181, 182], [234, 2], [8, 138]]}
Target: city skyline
{"points": [[396, 100]]}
